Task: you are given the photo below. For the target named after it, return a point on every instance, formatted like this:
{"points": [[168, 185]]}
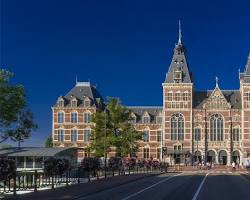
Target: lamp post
{"points": [[105, 149]]}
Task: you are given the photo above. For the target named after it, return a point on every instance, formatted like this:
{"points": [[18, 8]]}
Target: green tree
{"points": [[48, 142], [16, 121], [113, 129]]}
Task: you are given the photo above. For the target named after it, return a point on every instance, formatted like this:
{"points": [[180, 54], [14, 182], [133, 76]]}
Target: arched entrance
{"points": [[197, 156], [211, 156], [236, 157], [222, 157]]}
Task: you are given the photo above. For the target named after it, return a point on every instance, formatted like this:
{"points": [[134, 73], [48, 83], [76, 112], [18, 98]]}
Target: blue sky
{"points": [[124, 47]]}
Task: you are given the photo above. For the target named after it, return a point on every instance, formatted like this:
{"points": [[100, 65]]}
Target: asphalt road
{"points": [[185, 186]]}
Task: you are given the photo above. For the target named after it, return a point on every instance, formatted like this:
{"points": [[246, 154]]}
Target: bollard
{"points": [[35, 181], [14, 184]]}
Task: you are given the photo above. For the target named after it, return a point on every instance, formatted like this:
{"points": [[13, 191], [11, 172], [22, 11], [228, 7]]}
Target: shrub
{"points": [[7, 168], [115, 163], [56, 166], [90, 164]]}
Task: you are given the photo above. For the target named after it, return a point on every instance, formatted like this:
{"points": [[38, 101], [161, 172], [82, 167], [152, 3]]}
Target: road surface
{"points": [[184, 186]]}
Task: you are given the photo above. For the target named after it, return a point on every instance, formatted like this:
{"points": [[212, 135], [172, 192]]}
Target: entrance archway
{"points": [[197, 156], [236, 157], [211, 156], [222, 157]]}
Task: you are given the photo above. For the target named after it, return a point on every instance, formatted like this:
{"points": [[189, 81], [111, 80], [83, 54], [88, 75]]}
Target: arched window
{"points": [[216, 128], [236, 134], [60, 116], [197, 134], [86, 117], [74, 117], [177, 127], [73, 135]]}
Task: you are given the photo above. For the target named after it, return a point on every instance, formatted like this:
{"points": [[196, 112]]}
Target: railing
{"points": [[31, 181]]}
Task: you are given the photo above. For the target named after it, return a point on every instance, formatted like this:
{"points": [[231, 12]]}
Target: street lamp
{"points": [[105, 149]]}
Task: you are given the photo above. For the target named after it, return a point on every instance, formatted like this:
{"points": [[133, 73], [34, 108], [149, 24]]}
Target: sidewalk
{"points": [[83, 189]]}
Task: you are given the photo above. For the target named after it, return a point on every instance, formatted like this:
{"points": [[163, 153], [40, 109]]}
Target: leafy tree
{"points": [[113, 129], [16, 122], [48, 142]]}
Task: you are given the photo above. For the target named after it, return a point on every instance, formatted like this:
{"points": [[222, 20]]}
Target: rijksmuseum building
{"points": [[210, 125]]}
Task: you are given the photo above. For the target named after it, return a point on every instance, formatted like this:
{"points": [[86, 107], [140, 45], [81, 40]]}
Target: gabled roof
{"points": [[178, 62], [34, 151], [139, 111], [232, 96], [246, 74], [81, 91]]}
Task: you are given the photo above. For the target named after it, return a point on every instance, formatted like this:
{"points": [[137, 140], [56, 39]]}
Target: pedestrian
{"points": [[233, 167]]}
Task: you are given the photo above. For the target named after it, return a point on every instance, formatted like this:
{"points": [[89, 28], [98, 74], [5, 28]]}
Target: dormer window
{"points": [[86, 102], [158, 119], [74, 103], [60, 102], [133, 118], [146, 119], [177, 75]]}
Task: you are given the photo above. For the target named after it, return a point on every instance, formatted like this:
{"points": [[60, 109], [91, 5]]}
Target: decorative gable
{"points": [[217, 101]]}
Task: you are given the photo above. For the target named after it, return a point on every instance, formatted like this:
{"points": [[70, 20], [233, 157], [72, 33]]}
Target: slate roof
{"points": [[246, 74], [81, 91], [178, 62], [139, 111], [34, 151], [232, 96]]}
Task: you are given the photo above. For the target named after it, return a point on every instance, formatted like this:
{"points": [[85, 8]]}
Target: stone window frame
{"points": [[177, 127], [75, 132], [146, 153], [59, 117], [71, 117], [216, 127], [89, 117], [236, 135]]}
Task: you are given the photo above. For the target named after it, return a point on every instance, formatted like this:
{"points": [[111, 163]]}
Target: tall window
{"points": [[86, 135], [146, 153], [236, 134], [146, 136], [248, 96], [158, 153], [170, 96], [73, 135], [216, 128], [74, 117], [60, 135], [158, 135], [178, 96], [60, 116], [86, 117], [177, 127], [185, 96], [197, 134]]}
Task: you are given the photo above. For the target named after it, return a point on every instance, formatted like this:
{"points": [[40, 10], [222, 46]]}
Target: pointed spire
{"points": [[217, 81], [76, 79], [179, 41]]}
